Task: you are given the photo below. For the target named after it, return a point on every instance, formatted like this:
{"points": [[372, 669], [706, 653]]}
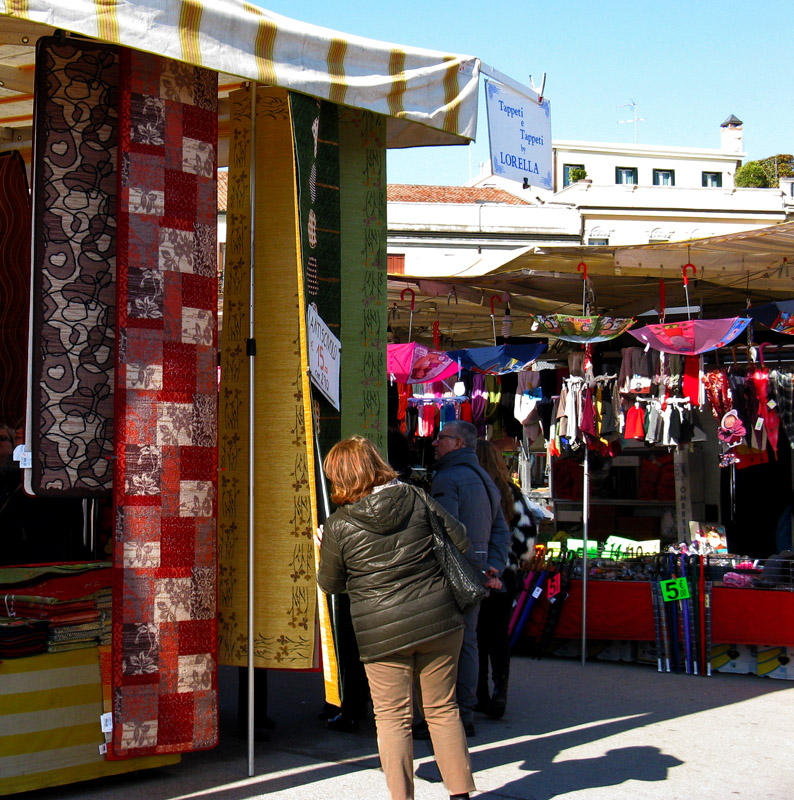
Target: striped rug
{"points": [[50, 733]]}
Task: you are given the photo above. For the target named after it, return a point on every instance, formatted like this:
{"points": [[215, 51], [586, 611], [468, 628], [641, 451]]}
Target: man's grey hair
{"points": [[465, 431]]}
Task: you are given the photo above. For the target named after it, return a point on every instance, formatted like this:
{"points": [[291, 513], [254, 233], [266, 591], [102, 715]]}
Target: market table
{"points": [[624, 610]]}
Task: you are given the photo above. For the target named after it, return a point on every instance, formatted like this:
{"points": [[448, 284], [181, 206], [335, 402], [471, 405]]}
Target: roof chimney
{"points": [[731, 135]]}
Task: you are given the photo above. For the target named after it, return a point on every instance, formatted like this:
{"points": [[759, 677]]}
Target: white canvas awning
{"points": [[430, 97]]}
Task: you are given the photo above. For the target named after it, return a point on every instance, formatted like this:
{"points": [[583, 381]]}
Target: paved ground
{"points": [[603, 730]]}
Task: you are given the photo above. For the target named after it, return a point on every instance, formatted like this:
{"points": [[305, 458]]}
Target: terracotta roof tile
{"points": [[412, 193]]}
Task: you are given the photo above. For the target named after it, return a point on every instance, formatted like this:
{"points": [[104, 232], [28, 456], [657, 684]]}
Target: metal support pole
{"points": [[585, 531], [251, 372]]}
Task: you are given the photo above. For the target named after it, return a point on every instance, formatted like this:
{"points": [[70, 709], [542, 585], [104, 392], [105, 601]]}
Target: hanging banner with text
{"points": [[324, 356], [519, 130]]}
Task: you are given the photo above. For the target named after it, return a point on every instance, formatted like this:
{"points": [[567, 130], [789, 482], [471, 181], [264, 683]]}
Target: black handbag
{"points": [[462, 579]]}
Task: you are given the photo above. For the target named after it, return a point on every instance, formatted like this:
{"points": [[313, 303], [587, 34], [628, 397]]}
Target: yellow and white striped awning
{"points": [[430, 97]]}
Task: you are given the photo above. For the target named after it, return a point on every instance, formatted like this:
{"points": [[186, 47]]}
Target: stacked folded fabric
{"points": [[54, 608], [22, 637]]}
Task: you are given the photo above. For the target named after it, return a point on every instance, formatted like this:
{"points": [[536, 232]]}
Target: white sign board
{"points": [[324, 357], [519, 130]]}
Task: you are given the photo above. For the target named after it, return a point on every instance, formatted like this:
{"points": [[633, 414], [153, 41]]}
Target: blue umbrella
{"points": [[777, 316], [497, 360]]}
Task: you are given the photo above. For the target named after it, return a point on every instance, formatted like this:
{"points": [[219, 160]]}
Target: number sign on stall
{"points": [[324, 357], [675, 589]]}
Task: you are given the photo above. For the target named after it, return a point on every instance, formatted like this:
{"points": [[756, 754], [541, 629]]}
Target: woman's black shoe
{"points": [[328, 712], [342, 724]]}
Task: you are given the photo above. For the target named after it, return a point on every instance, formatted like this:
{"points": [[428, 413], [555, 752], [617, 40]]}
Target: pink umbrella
{"points": [[692, 336], [415, 363]]}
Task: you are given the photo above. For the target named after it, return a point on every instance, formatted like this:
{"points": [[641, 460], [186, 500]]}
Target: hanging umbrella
{"points": [[583, 329], [692, 336], [777, 316], [415, 363], [497, 360]]}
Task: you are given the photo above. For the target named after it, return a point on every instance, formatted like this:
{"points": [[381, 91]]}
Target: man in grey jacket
{"points": [[466, 490]]}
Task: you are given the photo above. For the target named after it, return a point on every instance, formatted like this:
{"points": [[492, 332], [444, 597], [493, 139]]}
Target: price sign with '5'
{"points": [[675, 589]]}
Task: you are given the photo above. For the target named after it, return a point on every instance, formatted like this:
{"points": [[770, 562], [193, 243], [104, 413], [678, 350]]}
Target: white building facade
{"points": [[632, 194]]}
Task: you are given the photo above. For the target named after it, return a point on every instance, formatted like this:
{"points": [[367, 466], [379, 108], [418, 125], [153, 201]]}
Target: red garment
{"points": [[635, 423], [718, 393], [760, 379], [691, 382], [465, 411]]}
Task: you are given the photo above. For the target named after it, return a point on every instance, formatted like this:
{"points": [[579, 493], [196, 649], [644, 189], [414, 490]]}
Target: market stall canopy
{"points": [[429, 97], [621, 282]]}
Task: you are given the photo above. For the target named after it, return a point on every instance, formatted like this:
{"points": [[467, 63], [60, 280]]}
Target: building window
{"points": [[627, 175], [664, 177], [712, 180], [566, 173], [597, 240], [396, 263]]}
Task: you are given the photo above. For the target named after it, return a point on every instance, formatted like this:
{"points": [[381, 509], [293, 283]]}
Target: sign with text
{"points": [[675, 589], [519, 130], [324, 356]]}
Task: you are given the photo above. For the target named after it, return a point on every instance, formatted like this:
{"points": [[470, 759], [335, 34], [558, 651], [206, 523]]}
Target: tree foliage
{"points": [[752, 175], [777, 167]]}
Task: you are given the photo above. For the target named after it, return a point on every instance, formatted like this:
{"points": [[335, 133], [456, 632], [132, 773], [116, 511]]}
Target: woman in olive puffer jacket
{"points": [[378, 547]]}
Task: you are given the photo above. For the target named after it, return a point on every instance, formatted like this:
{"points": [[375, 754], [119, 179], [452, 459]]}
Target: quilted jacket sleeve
{"points": [[332, 576]]}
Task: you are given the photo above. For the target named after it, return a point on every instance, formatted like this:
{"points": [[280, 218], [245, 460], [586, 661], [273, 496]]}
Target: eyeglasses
{"points": [[445, 436]]}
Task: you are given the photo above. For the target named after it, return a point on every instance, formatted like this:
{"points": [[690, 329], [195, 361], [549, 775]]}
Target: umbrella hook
{"points": [[761, 353], [686, 284], [494, 298], [582, 267], [413, 301]]}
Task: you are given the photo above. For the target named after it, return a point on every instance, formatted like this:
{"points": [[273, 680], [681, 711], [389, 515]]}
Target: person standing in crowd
{"points": [[492, 640], [378, 547], [467, 492]]}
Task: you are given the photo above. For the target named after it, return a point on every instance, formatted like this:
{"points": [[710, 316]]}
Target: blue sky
{"points": [[687, 65]]}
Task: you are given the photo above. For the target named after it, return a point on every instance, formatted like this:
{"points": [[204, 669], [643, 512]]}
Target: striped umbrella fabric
{"points": [[430, 96]]}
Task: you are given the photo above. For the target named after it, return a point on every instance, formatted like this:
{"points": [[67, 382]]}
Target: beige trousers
{"points": [[435, 665]]}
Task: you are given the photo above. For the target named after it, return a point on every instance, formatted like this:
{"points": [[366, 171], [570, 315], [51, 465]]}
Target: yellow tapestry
{"points": [[284, 594]]}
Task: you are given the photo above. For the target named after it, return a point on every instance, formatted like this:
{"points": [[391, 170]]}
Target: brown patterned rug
{"points": [[74, 266], [14, 285]]}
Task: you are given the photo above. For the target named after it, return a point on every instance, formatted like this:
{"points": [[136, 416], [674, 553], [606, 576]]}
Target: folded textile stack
{"points": [[22, 637], [62, 607]]}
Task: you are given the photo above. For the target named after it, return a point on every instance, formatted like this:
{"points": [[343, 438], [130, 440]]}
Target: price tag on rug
{"points": [[675, 589], [538, 592], [554, 586]]}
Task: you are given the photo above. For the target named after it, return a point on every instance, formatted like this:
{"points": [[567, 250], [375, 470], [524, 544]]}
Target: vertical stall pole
{"points": [[586, 527], [251, 353]]}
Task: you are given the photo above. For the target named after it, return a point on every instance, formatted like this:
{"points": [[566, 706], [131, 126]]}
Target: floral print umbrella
{"points": [[585, 330]]}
